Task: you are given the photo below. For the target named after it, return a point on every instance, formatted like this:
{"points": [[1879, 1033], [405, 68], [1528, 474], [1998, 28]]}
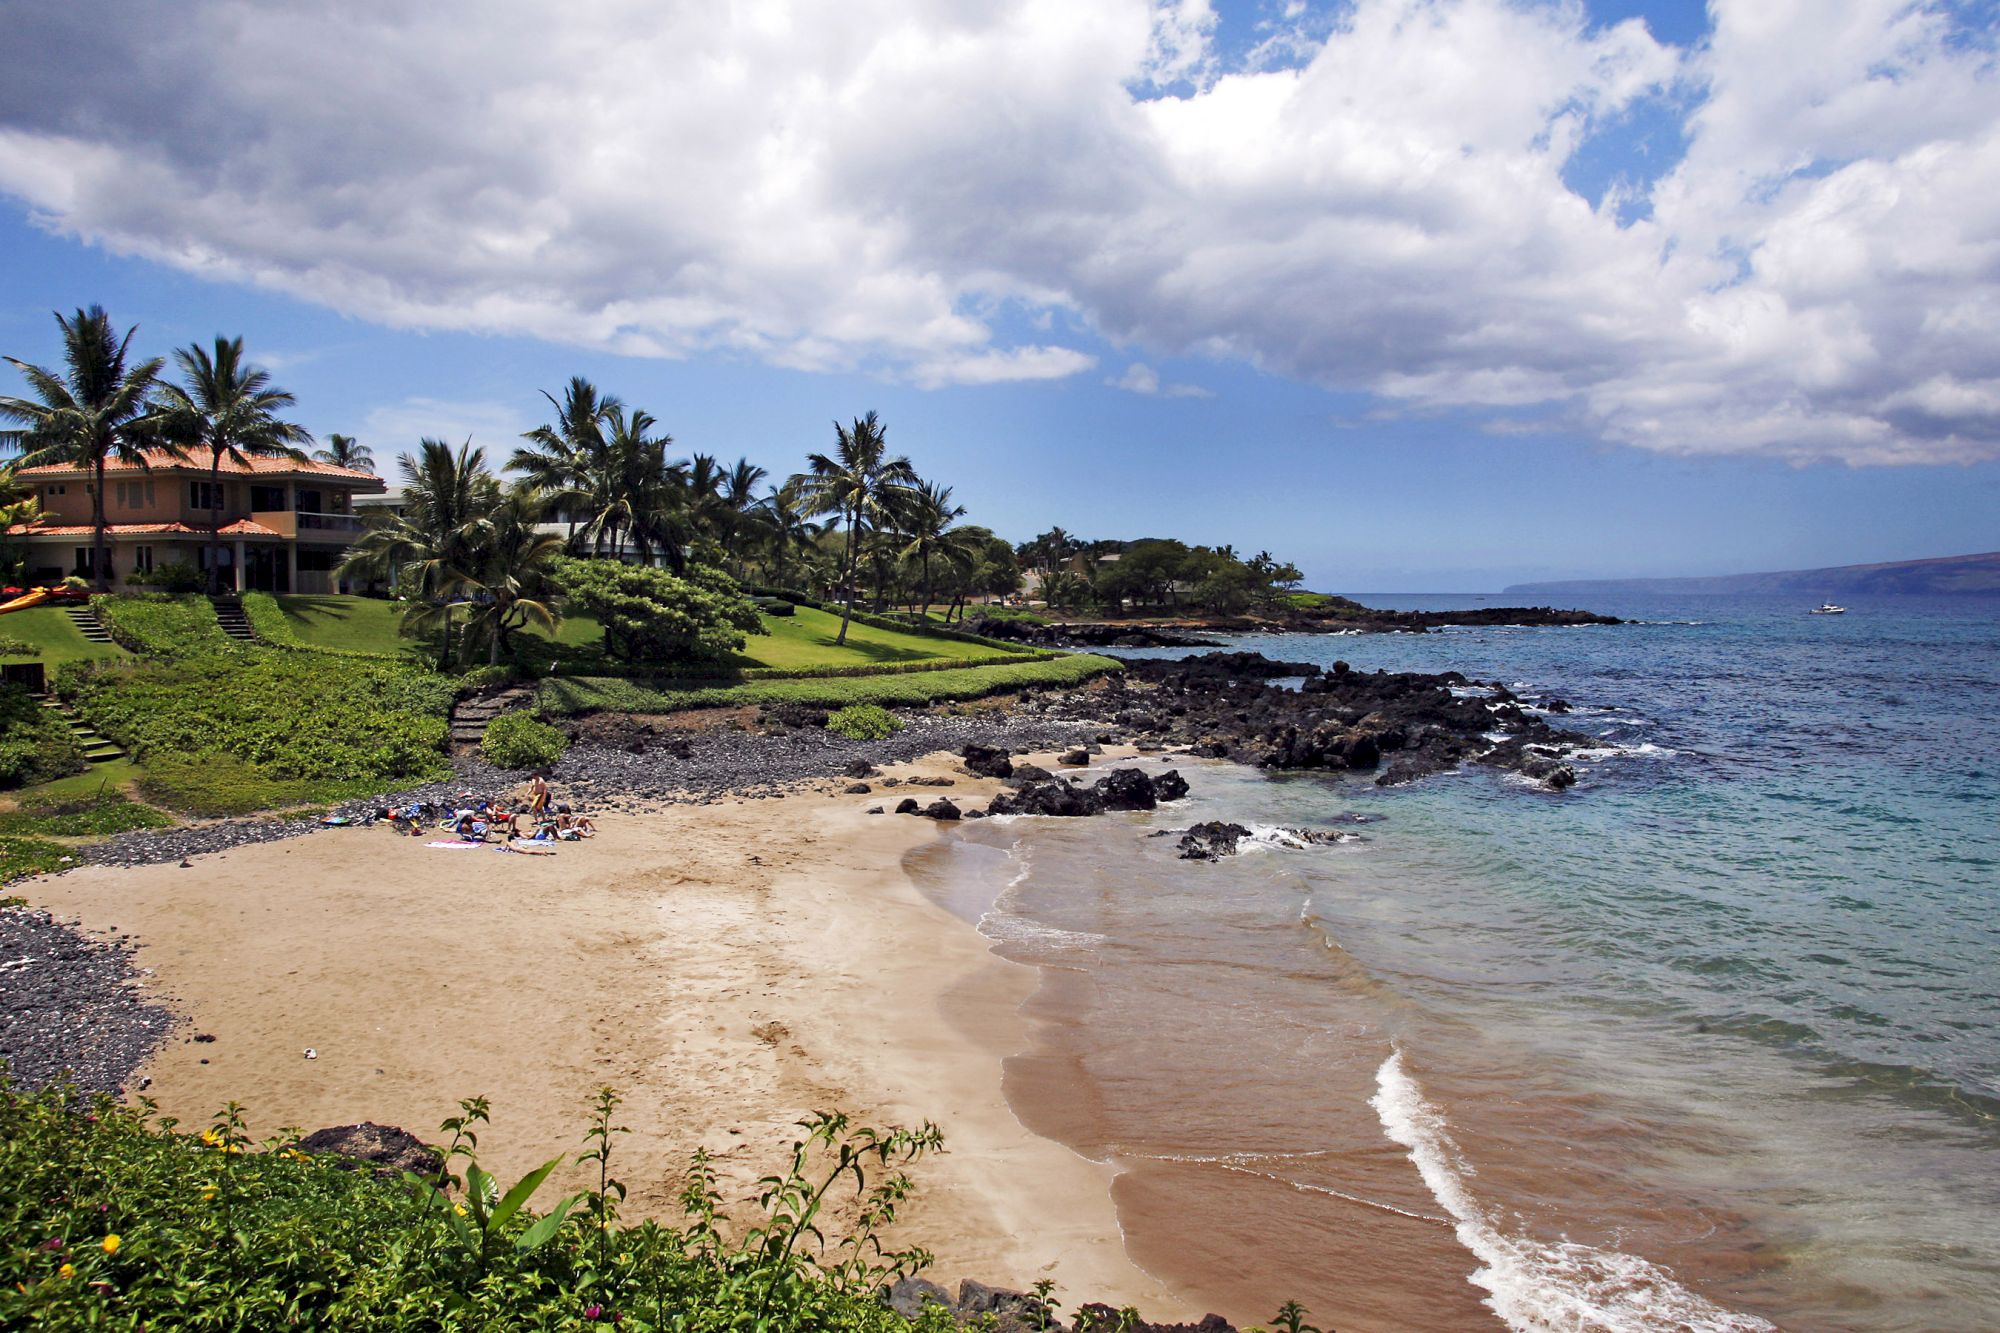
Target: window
{"points": [[48, 491], [267, 499], [313, 560], [133, 494], [142, 558], [205, 495]]}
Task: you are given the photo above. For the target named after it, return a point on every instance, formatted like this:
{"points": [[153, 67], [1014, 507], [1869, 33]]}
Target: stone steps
{"points": [[96, 748], [230, 615], [87, 624], [470, 717]]}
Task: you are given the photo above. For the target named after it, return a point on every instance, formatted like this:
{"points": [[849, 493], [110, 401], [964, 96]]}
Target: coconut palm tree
{"points": [[783, 528], [511, 587], [859, 482], [346, 451], [557, 461], [434, 549], [96, 411], [925, 518], [632, 494], [229, 409]]}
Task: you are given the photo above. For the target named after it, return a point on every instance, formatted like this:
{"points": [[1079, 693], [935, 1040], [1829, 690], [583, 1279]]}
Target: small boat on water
{"points": [[1829, 609]]}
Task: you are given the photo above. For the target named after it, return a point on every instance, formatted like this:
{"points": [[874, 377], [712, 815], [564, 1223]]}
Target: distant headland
{"points": [[1943, 575]]}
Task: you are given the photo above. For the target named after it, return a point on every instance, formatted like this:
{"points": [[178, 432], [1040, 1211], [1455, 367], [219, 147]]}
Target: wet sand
{"points": [[728, 968]]}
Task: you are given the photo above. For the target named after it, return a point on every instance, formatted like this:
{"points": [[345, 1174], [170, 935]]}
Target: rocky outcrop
{"points": [[1089, 635], [390, 1150], [1120, 789], [1211, 841], [987, 761]]}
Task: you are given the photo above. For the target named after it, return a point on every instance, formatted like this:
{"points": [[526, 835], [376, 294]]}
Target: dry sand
{"points": [[728, 968]]}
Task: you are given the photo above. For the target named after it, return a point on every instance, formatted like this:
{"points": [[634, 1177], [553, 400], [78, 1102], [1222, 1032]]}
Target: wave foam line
{"points": [[1537, 1286]]}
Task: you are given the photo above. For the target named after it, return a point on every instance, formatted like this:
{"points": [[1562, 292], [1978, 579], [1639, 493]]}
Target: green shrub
{"points": [[19, 858], [288, 716], [864, 722], [485, 677], [649, 614], [35, 745], [162, 626], [97, 815], [218, 1231], [516, 740], [564, 696], [19, 648]]}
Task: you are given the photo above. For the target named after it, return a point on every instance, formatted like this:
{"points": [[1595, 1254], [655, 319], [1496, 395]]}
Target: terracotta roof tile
{"points": [[159, 460], [242, 527]]}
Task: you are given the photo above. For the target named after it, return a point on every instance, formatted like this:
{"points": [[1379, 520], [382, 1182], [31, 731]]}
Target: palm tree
{"points": [[631, 493], [433, 550], [736, 502], [96, 412], [230, 409], [557, 462], [925, 517], [783, 528], [859, 482], [511, 586], [346, 451]]}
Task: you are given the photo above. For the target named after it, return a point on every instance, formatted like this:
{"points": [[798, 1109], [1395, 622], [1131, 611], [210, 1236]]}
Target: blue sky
{"points": [[1422, 294]]}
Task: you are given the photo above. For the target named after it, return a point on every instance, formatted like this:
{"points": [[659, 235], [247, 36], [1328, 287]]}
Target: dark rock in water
{"points": [[1170, 786], [1076, 758], [1054, 797], [859, 768], [858, 789], [392, 1151], [987, 761], [941, 808], [1211, 840], [1026, 773], [907, 806], [1249, 666], [1556, 706], [1126, 789], [1550, 772], [975, 814]]}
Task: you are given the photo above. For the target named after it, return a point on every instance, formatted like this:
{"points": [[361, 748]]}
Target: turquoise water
{"points": [[1711, 1040]]}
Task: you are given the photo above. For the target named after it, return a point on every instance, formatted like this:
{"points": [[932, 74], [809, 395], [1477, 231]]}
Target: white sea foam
{"points": [[1622, 749], [1274, 837], [1540, 1286]]}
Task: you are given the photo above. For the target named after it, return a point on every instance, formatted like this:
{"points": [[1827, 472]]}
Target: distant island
{"points": [[1944, 575]]}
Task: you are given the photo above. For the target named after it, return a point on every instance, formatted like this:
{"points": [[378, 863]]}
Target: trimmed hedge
{"points": [[157, 625], [516, 740], [710, 673], [568, 696]]}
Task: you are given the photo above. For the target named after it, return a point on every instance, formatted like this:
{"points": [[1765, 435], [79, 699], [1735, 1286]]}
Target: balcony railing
{"points": [[330, 522], [286, 523]]}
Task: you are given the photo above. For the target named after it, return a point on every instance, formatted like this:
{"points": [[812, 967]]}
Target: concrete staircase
{"points": [[230, 615], [471, 716], [96, 748], [87, 624]]}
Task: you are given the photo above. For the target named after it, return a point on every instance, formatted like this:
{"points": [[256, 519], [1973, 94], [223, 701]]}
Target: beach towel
{"points": [[454, 846], [524, 849]]}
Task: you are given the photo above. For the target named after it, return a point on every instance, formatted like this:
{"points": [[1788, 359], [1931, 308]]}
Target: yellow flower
{"points": [[209, 1136], [111, 1243], [458, 1208], [67, 1270], [208, 1194]]}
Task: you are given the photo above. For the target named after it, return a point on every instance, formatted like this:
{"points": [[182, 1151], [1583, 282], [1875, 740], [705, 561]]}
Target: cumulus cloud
{"points": [[1141, 378], [494, 427], [1373, 197]]}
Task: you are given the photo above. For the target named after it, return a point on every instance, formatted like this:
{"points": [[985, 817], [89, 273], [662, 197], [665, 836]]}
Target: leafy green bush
{"points": [[564, 696], [162, 626], [864, 722], [216, 786], [116, 1222], [99, 814], [483, 677], [20, 857], [649, 614], [516, 740], [35, 745], [19, 648], [305, 716]]}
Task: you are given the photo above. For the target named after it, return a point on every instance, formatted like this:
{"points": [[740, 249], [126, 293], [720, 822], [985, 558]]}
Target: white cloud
{"points": [[397, 428], [1374, 198], [1141, 378]]}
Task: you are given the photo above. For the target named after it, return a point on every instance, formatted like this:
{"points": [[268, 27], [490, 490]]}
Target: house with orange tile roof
{"points": [[286, 524]]}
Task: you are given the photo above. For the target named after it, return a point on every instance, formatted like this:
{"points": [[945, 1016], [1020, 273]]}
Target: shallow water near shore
{"points": [[1708, 1041]]}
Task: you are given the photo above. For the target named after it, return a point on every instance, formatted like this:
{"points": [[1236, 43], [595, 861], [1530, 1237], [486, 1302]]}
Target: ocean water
{"points": [[1709, 1041]]}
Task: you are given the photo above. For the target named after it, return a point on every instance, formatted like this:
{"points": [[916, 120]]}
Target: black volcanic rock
{"points": [[987, 761]]}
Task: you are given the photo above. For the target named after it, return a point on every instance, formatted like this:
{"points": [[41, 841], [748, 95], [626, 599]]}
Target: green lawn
{"points": [[806, 639], [49, 628], [112, 776], [583, 694], [360, 624]]}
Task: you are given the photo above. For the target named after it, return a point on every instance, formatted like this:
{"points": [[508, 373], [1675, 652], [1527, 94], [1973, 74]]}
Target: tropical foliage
{"points": [[650, 614], [516, 740]]}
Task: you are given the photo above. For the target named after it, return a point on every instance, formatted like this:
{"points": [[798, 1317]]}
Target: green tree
{"points": [[782, 529], [229, 409], [433, 550], [925, 519], [512, 586], [96, 411], [346, 451], [558, 459], [860, 483], [651, 615]]}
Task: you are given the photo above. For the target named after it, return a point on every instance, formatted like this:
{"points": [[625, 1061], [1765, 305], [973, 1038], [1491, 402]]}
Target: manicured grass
{"points": [[358, 624], [49, 628], [587, 694], [806, 639], [112, 776]]}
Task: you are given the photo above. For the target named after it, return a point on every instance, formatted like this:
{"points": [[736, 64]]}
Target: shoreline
{"points": [[729, 966]]}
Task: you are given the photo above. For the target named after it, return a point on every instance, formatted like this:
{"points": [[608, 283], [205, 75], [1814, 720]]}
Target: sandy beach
{"points": [[728, 968]]}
